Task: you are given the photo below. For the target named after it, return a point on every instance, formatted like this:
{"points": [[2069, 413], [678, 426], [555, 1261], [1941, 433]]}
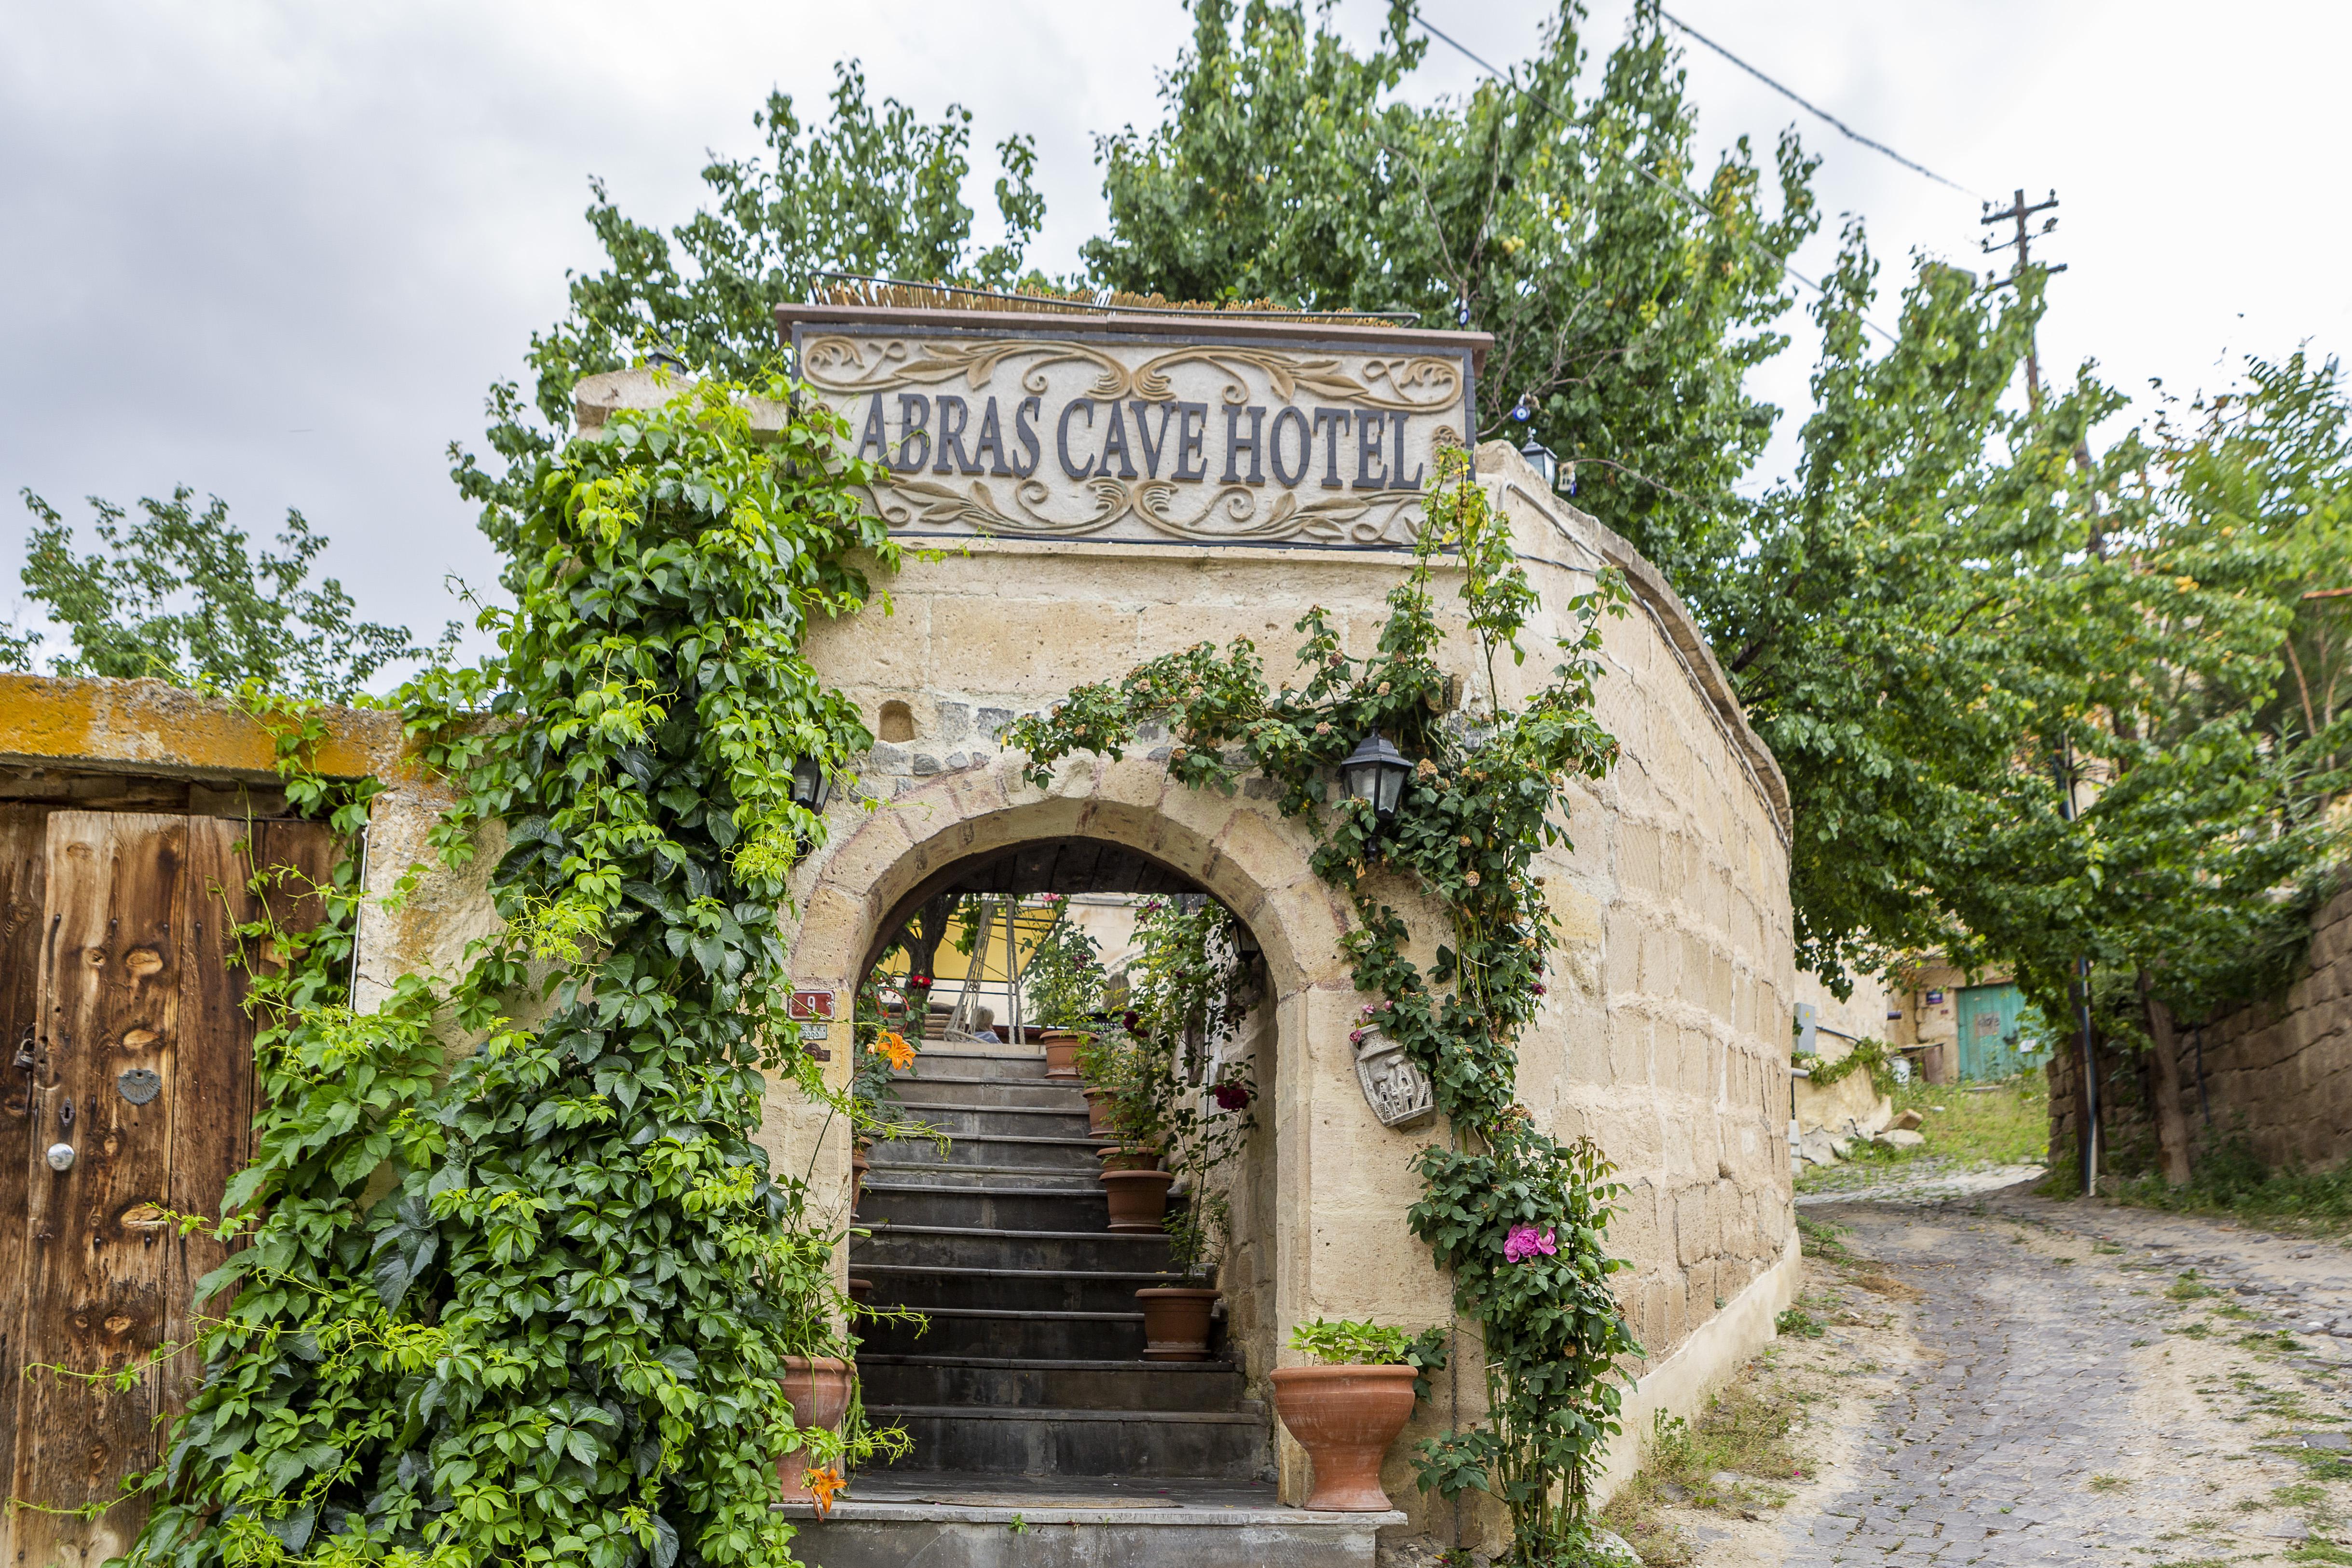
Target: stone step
{"points": [[938, 1380], [927, 1286], [1009, 1335], [978, 1245], [1053, 1094], [889, 1520], [984, 1440], [998, 1150], [962, 1122], [929, 1195], [980, 1064], [932, 1173]]}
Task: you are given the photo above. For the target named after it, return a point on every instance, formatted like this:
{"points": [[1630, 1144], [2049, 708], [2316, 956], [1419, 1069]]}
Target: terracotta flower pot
{"points": [[1345, 1418], [818, 1392], [1125, 1157], [1176, 1322], [1061, 1051], [858, 1165], [1102, 1108], [1138, 1199]]}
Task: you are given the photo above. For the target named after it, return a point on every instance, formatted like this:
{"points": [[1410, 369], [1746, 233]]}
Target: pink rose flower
{"points": [[1525, 1241]]}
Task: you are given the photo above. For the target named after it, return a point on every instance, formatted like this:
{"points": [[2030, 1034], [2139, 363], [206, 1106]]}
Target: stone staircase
{"points": [[1032, 1365], [1028, 1398]]}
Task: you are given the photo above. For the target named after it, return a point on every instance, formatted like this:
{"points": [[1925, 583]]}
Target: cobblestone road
{"points": [[2073, 1400]]}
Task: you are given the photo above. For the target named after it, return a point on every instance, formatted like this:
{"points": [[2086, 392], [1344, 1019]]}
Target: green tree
{"points": [[1955, 622], [178, 594], [869, 191], [1627, 307]]}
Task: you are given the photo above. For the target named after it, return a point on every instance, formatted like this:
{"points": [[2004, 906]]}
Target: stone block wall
{"points": [[1665, 1034], [2277, 1072]]}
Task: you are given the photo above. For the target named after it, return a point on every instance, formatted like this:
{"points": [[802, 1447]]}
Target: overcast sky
{"points": [[276, 252]]}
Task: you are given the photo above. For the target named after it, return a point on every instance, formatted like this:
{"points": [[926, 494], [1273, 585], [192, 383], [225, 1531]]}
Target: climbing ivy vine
{"points": [[1515, 1216], [528, 1304]]}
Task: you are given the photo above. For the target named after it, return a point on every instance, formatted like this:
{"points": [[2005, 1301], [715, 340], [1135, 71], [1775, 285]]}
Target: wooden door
{"points": [[1989, 1031], [140, 1063]]}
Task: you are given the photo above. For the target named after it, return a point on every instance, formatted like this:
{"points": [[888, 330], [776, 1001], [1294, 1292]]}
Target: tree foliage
{"points": [[2028, 699], [177, 594], [1627, 307]]}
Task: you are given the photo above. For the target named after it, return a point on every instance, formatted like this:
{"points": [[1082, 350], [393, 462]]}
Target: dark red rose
{"points": [[1230, 1096]]}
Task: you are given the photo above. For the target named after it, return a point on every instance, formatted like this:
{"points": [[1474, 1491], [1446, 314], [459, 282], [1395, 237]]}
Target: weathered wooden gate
{"points": [[1989, 1031], [129, 1096]]}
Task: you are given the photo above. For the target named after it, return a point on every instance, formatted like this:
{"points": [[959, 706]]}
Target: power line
{"points": [[1848, 132], [1675, 186]]}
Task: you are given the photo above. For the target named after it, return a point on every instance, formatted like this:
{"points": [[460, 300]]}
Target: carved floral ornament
{"points": [[1043, 437]]}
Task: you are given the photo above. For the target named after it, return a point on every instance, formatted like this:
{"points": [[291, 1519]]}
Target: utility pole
{"points": [[2062, 773], [2016, 212]]}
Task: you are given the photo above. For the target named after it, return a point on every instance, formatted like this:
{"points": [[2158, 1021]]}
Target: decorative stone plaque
{"points": [[1398, 1093], [1176, 429]]}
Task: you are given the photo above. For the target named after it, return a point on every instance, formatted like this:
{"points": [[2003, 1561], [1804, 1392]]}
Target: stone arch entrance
{"points": [[887, 858], [1334, 1245]]}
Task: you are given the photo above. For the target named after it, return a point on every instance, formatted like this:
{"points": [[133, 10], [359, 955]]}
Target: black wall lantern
{"points": [[810, 786], [1539, 458], [1376, 771]]}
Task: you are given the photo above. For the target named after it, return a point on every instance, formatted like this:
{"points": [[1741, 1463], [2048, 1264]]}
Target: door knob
{"points": [[61, 1156]]}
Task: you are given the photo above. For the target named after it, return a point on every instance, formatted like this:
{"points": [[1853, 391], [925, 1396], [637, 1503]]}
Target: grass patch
{"points": [[1746, 1436], [2319, 1551], [1799, 1323], [2108, 1483], [2008, 1124], [2230, 1181], [1819, 1239], [2188, 1287]]}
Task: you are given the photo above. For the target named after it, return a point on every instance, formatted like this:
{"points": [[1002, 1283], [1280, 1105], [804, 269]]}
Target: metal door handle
{"points": [[61, 1156]]}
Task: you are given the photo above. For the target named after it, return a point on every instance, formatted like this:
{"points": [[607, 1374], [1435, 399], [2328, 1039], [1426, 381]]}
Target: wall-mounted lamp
{"points": [[810, 785], [1376, 771]]}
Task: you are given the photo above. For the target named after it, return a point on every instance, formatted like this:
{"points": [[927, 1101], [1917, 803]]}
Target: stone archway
{"points": [[1337, 1182]]}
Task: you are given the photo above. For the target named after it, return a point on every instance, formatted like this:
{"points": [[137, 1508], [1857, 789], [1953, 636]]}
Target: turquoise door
{"points": [[1989, 1031]]}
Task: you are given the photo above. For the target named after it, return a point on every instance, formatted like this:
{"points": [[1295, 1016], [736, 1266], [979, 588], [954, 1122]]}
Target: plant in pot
{"points": [[1131, 1175], [1176, 1317], [1111, 1066], [1063, 986], [1185, 983], [828, 1432], [1347, 1408]]}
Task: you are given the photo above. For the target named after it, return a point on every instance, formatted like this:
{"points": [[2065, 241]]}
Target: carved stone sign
{"points": [[1195, 430], [1398, 1093]]}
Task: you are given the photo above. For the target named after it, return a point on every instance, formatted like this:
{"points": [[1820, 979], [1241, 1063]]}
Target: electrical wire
{"points": [[1675, 186], [1848, 132]]}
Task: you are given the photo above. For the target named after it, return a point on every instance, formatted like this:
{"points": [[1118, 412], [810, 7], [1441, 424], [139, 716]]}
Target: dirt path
{"points": [[2070, 1383]]}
